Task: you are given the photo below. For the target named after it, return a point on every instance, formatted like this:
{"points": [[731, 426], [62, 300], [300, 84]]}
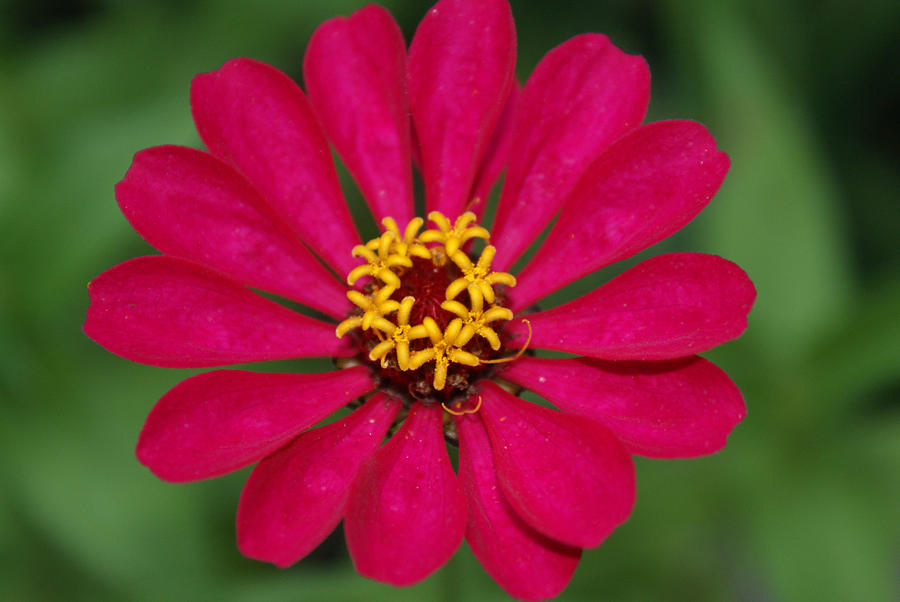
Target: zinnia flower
{"points": [[434, 337]]}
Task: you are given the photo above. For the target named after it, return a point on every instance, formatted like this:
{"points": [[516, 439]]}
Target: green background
{"points": [[802, 504]]}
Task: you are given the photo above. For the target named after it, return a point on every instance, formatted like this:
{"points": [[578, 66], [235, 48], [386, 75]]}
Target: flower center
{"points": [[426, 317]]}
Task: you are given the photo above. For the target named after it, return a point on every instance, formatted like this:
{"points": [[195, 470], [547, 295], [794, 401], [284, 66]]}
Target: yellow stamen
{"points": [[490, 335], [455, 307], [497, 313], [433, 330], [440, 373], [462, 357], [465, 335], [421, 357], [347, 325]]}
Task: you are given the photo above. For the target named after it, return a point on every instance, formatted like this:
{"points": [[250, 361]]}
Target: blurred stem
{"points": [[451, 579]]}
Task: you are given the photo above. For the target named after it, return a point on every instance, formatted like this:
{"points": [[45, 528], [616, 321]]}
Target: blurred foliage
{"points": [[802, 505]]}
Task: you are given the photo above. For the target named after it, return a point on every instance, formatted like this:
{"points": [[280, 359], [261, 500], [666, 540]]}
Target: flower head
{"points": [[431, 333]]}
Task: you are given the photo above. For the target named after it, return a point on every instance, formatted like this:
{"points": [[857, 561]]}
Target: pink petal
{"points": [[255, 118], [523, 562], [568, 477], [675, 409], [460, 71], [667, 307], [355, 72], [495, 155], [189, 204], [647, 186], [217, 422], [169, 312], [583, 95], [406, 514], [296, 497]]}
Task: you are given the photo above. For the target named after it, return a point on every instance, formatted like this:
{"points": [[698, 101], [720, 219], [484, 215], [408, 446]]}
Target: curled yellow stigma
{"points": [[379, 307], [518, 353], [459, 411]]}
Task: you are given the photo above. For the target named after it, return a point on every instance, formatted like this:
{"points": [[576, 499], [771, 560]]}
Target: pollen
{"points": [[426, 314]]}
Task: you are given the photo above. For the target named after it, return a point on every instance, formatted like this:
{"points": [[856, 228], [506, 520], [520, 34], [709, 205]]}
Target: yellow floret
{"points": [[479, 274], [399, 335], [453, 237]]}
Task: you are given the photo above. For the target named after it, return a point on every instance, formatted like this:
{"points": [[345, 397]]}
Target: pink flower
{"points": [[427, 347]]}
